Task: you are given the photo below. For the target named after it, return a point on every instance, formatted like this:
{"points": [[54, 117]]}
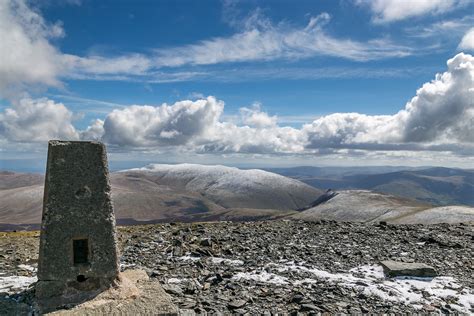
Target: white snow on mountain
{"points": [[369, 206], [444, 214], [233, 187], [359, 206]]}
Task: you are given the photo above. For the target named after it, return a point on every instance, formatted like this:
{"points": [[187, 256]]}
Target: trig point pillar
{"points": [[78, 251]]}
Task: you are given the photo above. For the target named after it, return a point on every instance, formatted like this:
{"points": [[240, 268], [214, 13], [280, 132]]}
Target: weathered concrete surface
{"points": [[77, 205], [135, 294], [395, 268]]}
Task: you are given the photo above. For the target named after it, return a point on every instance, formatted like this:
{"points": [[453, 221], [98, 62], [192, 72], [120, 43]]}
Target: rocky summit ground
{"points": [[285, 266]]}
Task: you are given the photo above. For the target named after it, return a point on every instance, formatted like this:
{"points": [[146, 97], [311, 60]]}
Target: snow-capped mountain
{"points": [[171, 193], [232, 187], [369, 206]]}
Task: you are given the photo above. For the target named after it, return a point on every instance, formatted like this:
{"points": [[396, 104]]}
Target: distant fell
{"points": [[437, 185], [232, 187], [372, 207], [164, 193]]}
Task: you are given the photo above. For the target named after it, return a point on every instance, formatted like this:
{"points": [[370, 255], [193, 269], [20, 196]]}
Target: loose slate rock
{"points": [[308, 307], [237, 304], [173, 289], [394, 269], [206, 242], [313, 243]]}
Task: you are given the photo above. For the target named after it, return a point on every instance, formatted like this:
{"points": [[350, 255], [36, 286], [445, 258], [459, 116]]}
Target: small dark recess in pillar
{"points": [[81, 251]]}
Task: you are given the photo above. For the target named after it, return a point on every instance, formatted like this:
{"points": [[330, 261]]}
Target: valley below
{"points": [[282, 266]]}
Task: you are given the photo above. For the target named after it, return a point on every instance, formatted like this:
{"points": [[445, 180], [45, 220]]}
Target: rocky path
{"points": [[290, 266]]}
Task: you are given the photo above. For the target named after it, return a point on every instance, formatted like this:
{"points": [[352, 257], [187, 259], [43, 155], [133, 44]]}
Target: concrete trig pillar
{"points": [[78, 249]]}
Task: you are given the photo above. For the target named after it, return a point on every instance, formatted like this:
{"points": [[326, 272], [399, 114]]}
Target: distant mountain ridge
{"points": [[193, 193], [368, 207], [163, 193], [360, 206], [233, 187], [12, 180], [436, 185]]}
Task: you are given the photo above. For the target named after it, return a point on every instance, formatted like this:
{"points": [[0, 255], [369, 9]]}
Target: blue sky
{"points": [[280, 75], [113, 28]]}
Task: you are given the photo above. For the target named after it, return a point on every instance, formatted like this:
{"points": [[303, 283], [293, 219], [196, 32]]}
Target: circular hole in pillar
{"points": [[81, 278], [83, 193]]}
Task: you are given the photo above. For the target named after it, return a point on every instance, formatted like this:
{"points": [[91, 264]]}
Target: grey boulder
{"points": [[394, 269]]}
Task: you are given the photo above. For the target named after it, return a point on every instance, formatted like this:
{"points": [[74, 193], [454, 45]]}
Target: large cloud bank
{"points": [[441, 113], [439, 117]]}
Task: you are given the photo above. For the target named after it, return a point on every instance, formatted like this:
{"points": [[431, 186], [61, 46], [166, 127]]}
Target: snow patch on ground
{"points": [[175, 280], [217, 260], [416, 291], [27, 267], [189, 258], [124, 266], [371, 281], [15, 284]]}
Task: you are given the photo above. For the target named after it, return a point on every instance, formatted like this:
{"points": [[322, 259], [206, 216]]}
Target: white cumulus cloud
{"points": [[26, 55], [467, 42], [232, 138], [172, 125], [441, 106], [255, 117], [342, 130], [198, 126], [439, 117], [95, 131], [37, 120], [395, 10], [440, 113]]}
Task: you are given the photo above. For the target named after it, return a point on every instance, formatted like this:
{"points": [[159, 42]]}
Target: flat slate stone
{"points": [[394, 269]]}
